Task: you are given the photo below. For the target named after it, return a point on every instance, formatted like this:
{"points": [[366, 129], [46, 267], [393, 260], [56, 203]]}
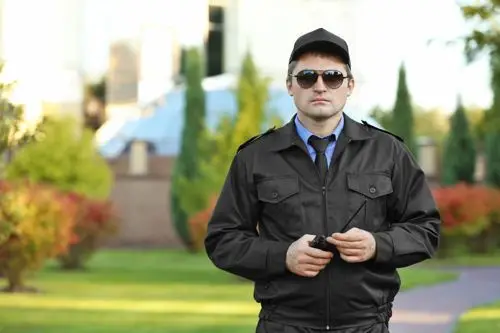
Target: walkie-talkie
{"points": [[319, 242]]}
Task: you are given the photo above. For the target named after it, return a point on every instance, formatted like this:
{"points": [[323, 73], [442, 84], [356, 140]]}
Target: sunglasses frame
{"points": [[319, 73]]}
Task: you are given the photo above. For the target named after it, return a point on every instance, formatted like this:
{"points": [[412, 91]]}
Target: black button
{"points": [[275, 195], [372, 190]]}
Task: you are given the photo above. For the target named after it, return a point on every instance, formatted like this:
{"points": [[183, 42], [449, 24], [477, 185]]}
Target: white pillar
{"points": [[138, 158]]}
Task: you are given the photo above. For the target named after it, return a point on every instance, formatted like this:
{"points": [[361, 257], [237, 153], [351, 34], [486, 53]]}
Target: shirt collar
{"points": [[304, 133]]}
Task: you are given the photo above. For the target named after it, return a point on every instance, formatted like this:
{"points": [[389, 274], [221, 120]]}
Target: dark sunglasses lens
{"points": [[306, 79], [333, 79]]}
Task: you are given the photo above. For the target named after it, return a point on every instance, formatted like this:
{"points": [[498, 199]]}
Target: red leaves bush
{"points": [[93, 221], [470, 215], [35, 225], [39, 222], [198, 224]]}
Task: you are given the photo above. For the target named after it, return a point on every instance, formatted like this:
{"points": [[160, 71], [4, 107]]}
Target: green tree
{"points": [[65, 157], [252, 95], [14, 131], [383, 117], [402, 122], [459, 157], [492, 153], [485, 37], [185, 198]]}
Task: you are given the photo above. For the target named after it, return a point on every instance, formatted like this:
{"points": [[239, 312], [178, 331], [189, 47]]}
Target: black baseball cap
{"points": [[321, 40]]}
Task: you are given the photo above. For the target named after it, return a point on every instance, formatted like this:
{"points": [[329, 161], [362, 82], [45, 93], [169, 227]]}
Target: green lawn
{"points": [[484, 319], [490, 259], [145, 292]]}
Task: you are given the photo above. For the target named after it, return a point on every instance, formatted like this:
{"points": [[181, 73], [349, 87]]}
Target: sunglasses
{"points": [[308, 77]]}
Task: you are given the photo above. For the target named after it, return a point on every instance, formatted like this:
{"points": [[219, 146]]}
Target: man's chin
{"points": [[320, 116]]}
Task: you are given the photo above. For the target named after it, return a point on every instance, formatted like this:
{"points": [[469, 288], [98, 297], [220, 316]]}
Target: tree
{"points": [[402, 114], [252, 94], [485, 37], [459, 157], [492, 153], [14, 131], [184, 198], [383, 117], [65, 158]]}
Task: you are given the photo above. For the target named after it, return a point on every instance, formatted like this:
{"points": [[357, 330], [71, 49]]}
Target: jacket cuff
{"points": [[384, 247], [276, 258]]}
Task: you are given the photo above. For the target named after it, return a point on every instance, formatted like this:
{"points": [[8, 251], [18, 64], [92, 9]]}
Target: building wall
{"points": [[143, 205]]}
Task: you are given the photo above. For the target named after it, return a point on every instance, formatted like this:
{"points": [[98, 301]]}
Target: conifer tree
{"points": [[459, 157], [187, 165], [492, 126], [402, 123]]}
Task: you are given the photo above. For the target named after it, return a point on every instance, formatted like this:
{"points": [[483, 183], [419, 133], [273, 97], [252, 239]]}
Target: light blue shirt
{"points": [[304, 134]]}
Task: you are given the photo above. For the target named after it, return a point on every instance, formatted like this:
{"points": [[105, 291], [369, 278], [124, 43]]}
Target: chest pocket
{"points": [[280, 204], [370, 190]]}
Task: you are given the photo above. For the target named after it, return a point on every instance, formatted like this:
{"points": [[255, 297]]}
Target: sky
{"points": [[396, 31]]}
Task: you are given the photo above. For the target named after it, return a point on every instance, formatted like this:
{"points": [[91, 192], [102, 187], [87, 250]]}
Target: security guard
{"points": [[321, 212]]}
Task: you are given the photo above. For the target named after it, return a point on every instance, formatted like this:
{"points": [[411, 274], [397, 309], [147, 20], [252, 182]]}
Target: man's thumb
{"points": [[308, 237]]}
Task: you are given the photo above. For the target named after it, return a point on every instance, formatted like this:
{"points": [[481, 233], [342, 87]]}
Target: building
{"points": [[46, 61]]}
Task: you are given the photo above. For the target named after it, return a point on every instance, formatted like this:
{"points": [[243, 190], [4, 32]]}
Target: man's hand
{"points": [[355, 245], [304, 260]]}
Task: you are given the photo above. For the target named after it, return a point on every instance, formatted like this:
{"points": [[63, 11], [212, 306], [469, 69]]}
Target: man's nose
{"points": [[319, 86]]}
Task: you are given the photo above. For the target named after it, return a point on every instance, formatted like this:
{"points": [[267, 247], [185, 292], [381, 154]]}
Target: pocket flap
{"points": [[274, 190], [369, 184]]}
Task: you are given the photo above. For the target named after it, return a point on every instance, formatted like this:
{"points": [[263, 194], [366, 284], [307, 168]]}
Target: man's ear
{"points": [[351, 86], [289, 87]]}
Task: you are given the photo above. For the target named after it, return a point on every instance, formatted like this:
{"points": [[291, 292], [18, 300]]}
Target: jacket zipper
{"points": [[327, 275]]}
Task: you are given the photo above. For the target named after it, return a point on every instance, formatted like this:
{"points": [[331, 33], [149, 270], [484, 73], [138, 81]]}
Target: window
{"points": [[215, 42]]}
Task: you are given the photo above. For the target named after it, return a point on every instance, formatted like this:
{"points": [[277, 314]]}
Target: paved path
{"points": [[436, 309]]}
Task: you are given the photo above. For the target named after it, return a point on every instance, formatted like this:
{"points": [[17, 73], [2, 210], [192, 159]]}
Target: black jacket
{"points": [[272, 196]]}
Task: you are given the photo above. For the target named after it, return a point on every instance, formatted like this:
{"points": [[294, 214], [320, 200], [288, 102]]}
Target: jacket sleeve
{"points": [[232, 241], [415, 221]]}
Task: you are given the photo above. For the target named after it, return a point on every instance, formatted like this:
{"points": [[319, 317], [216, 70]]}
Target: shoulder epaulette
{"points": [[255, 138], [381, 130]]}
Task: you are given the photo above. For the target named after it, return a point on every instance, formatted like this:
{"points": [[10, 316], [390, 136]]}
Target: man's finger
{"points": [[351, 259], [351, 252], [346, 244], [314, 261], [317, 253], [348, 236], [313, 267]]}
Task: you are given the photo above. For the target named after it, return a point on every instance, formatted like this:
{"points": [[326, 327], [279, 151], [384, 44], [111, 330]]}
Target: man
{"points": [[323, 174]]}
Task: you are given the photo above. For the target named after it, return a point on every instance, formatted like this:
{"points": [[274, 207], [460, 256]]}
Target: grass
{"points": [[146, 292], [485, 319], [490, 259]]}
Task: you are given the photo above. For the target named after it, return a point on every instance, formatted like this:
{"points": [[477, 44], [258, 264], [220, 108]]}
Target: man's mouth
{"points": [[320, 100]]}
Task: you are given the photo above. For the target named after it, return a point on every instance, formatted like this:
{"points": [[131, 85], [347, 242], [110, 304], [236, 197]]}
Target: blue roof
{"points": [[163, 129]]}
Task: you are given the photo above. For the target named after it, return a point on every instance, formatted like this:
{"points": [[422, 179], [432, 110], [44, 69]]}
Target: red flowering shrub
{"points": [[470, 215], [198, 225], [94, 220], [463, 208], [35, 225]]}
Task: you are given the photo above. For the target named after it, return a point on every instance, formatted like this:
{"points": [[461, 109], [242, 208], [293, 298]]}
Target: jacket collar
{"points": [[287, 136]]}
